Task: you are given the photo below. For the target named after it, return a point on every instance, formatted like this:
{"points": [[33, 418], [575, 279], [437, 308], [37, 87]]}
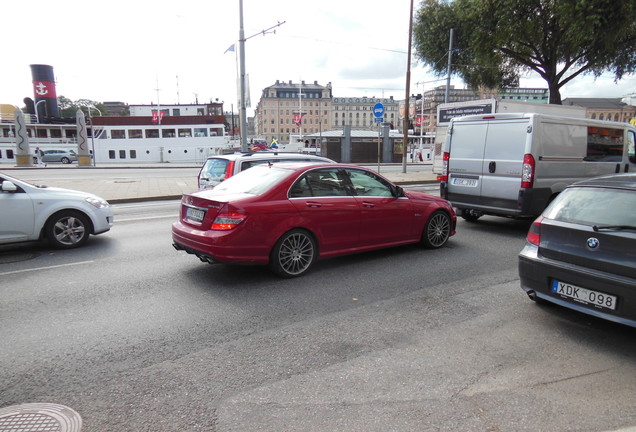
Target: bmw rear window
{"points": [[594, 206]]}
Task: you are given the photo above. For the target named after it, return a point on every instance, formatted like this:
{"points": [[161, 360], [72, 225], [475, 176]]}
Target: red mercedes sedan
{"points": [[287, 215]]}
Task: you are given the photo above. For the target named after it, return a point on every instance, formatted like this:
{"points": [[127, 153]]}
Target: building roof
{"points": [[599, 103], [354, 134]]}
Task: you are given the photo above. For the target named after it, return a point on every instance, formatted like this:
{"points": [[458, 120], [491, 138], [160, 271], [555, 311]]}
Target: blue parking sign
{"points": [[378, 110]]}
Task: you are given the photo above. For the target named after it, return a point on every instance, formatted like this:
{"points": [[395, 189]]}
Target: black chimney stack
{"points": [[44, 90]]}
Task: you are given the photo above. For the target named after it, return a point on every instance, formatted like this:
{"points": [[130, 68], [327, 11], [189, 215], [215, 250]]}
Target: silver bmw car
{"points": [[581, 252]]}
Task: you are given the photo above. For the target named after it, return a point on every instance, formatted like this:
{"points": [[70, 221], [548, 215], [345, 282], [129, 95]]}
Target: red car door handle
{"points": [[313, 204], [368, 204]]}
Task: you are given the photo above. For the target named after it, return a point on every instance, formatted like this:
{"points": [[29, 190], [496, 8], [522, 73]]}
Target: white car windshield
{"points": [[254, 181]]}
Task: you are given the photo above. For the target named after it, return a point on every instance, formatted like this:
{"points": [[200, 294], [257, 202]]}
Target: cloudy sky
{"points": [[141, 52]]}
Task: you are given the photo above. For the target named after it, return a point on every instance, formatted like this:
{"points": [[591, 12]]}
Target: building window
{"points": [[118, 134], [135, 133]]}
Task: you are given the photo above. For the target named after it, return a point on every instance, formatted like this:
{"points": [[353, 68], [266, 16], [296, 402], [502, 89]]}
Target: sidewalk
{"points": [[125, 189]]}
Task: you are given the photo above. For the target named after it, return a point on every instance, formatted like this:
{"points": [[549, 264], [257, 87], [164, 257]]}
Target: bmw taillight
{"points": [[527, 171], [445, 159], [534, 233], [227, 221]]}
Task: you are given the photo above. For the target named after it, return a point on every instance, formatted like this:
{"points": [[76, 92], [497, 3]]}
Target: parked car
{"points": [[64, 217], [287, 215], [218, 168], [64, 156], [581, 252]]}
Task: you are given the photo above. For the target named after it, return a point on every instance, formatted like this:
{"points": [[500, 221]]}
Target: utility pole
{"points": [[407, 102], [242, 108], [448, 68]]}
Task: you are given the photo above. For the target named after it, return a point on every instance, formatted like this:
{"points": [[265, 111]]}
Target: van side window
{"points": [[604, 144], [631, 146]]}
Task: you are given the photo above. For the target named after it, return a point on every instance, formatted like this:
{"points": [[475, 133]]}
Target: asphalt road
{"points": [[138, 337]]}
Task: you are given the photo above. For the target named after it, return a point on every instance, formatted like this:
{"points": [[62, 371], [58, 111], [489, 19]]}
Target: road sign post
{"points": [[378, 113]]}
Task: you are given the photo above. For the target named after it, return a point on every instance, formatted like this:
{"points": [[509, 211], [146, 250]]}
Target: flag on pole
{"points": [[231, 48], [298, 119]]}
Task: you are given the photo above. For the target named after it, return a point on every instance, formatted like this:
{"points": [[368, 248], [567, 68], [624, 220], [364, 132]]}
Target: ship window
{"points": [[185, 133], [9, 154], [152, 133], [133, 154], [41, 133], [118, 134], [216, 131], [176, 112], [56, 133], [122, 154], [111, 154], [135, 133], [200, 132], [168, 133], [71, 133]]}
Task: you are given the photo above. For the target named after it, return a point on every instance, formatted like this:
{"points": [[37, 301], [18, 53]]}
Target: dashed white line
{"points": [[46, 268]]}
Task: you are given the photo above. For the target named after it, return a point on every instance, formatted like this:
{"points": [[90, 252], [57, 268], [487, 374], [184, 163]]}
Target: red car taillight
{"points": [[527, 171], [445, 159], [227, 221], [229, 170], [534, 233]]}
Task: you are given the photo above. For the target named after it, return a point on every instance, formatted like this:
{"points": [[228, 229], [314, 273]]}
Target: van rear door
{"points": [[484, 168], [503, 161], [465, 166]]}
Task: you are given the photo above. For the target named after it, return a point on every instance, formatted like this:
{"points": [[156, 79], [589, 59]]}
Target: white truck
{"points": [[514, 164], [449, 111]]}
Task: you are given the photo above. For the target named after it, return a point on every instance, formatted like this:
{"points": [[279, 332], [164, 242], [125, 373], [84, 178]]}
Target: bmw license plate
{"points": [[585, 296], [461, 181], [195, 214]]}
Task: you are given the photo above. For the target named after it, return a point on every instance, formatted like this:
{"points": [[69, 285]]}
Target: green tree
{"points": [[498, 40], [68, 108]]}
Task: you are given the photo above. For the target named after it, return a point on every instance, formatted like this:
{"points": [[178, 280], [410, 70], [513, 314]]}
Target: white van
{"points": [[514, 164]]}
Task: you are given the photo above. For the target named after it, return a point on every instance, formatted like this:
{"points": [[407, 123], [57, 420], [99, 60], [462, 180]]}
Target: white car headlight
{"points": [[97, 202]]}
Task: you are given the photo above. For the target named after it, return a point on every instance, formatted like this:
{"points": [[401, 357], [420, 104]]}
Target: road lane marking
{"points": [[45, 268]]}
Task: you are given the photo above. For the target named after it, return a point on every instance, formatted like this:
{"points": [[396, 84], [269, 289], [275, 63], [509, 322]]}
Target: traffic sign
{"points": [[378, 110]]}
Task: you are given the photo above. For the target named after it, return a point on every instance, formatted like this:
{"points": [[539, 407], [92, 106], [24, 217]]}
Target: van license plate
{"points": [[195, 214], [459, 181], [584, 296]]}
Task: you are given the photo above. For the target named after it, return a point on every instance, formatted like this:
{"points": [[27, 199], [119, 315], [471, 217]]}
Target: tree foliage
{"points": [[495, 41], [68, 108]]}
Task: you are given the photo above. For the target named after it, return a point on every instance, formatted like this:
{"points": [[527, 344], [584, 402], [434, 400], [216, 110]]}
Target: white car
{"points": [[63, 217]]}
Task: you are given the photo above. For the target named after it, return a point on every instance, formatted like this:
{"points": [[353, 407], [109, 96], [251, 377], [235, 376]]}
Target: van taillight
{"points": [[445, 158], [527, 171], [534, 233]]}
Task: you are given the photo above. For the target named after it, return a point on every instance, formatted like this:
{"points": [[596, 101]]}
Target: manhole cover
{"points": [[39, 417], [8, 257]]}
